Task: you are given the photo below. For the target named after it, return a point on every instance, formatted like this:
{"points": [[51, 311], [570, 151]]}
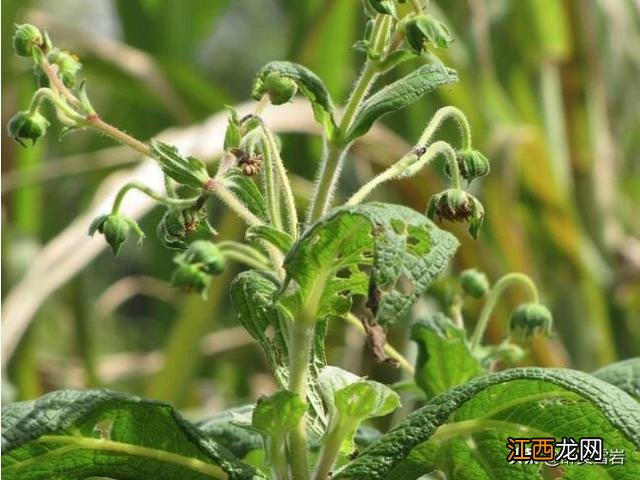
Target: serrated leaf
{"points": [[625, 375], [253, 297], [464, 431], [309, 84], [78, 434], [389, 252], [246, 190], [398, 95], [279, 239], [444, 357]]}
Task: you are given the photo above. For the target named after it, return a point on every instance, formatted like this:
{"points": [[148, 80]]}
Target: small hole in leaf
{"points": [[399, 226], [344, 272]]}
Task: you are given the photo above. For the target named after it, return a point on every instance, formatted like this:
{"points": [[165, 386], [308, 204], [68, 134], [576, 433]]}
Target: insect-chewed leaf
{"points": [[253, 295], [389, 253], [307, 82], [246, 190], [624, 375], [464, 432], [98, 433], [444, 357], [400, 94]]}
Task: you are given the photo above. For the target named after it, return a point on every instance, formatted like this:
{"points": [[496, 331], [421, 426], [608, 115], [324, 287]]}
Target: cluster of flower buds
{"points": [[423, 30], [471, 163], [529, 320], [196, 266], [180, 226], [474, 283], [456, 205], [116, 229]]}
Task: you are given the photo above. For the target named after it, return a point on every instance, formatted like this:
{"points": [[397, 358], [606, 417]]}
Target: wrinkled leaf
{"points": [[464, 431], [309, 84], [400, 94], [246, 190], [444, 357], [625, 375], [278, 414], [231, 429], [74, 435]]}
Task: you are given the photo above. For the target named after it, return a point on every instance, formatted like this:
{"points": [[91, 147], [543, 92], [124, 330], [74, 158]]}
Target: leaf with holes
{"points": [[389, 253], [464, 432], [99, 433], [444, 357], [253, 297]]}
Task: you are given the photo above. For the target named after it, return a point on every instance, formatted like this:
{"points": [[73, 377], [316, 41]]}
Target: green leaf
{"points": [[278, 414], [309, 85], [398, 95], [444, 357], [352, 400], [625, 375], [389, 253], [281, 240], [231, 429], [74, 435], [246, 190], [188, 171], [464, 431], [253, 297]]}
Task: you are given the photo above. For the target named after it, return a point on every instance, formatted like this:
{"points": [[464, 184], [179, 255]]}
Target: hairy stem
{"points": [[497, 290], [277, 458], [244, 254], [438, 119], [330, 452], [217, 189], [95, 122], [169, 201], [270, 185]]}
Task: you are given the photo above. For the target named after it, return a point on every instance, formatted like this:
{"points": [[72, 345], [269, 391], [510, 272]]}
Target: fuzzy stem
{"points": [[439, 117], [499, 287], [330, 451], [48, 94], [244, 254], [277, 457], [95, 122], [172, 202], [270, 185], [216, 188], [56, 83]]}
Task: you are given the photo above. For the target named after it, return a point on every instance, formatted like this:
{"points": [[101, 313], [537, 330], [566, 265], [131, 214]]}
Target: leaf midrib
{"points": [[81, 443]]}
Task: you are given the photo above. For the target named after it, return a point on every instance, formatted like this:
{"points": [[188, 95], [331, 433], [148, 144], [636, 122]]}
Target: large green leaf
{"points": [[400, 94], [389, 253], [444, 357], [464, 432], [624, 375], [74, 435], [230, 428]]}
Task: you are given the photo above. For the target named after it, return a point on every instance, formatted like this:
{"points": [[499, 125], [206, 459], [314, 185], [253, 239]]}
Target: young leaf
{"points": [[246, 190], [444, 358], [398, 95], [253, 296], [465, 430], [625, 375], [281, 240], [188, 171], [278, 414], [74, 435], [306, 81], [389, 253]]}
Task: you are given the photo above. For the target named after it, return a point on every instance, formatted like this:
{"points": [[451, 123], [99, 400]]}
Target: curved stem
{"points": [[217, 189], [48, 94], [56, 83], [405, 364], [330, 451], [169, 201], [417, 7], [439, 117], [244, 254], [499, 287]]}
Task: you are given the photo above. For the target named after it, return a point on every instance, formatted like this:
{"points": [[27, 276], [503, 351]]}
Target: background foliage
{"points": [[549, 86]]}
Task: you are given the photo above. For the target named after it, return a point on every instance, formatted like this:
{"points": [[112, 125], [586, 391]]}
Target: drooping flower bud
{"points": [[423, 29], [188, 171], [191, 278], [472, 164], [457, 206], [474, 283], [25, 38], [116, 228], [68, 66], [529, 320], [279, 88], [178, 226], [26, 126], [206, 255]]}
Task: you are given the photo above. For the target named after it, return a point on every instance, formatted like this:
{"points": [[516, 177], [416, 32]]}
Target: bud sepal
{"points": [[474, 283], [116, 229], [529, 320], [457, 206], [25, 125]]}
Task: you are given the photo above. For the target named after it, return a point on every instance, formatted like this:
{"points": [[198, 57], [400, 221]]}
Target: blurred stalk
{"points": [[82, 330], [182, 357]]}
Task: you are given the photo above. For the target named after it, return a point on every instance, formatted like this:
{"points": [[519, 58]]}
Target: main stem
{"points": [[494, 294]]}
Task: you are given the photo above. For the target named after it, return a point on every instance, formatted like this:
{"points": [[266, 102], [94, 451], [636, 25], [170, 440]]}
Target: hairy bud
{"points": [[191, 278], [26, 126], [68, 66], [116, 228], [529, 320], [204, 254], [457, 206], [178, 226], [25, 38], [472, 164], [279, 88], [474, 283]]}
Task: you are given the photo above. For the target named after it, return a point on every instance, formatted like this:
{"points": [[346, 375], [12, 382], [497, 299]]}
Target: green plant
{"points": [[304, 275]]}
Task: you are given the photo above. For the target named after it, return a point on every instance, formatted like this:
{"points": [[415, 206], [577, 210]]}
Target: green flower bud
{"points": [[373, 7], [424, 28], [457, 206], [204, 254], [191, 278], [530, 319], [188, 171], [68, 66], [474, 283], [472, 164], [177, 227], [25, 38], [116, 229], [280, 89], [507, 353], [25, 126]]}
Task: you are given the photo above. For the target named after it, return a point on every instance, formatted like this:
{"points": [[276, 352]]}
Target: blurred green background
{"points": [[550, 88]]}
